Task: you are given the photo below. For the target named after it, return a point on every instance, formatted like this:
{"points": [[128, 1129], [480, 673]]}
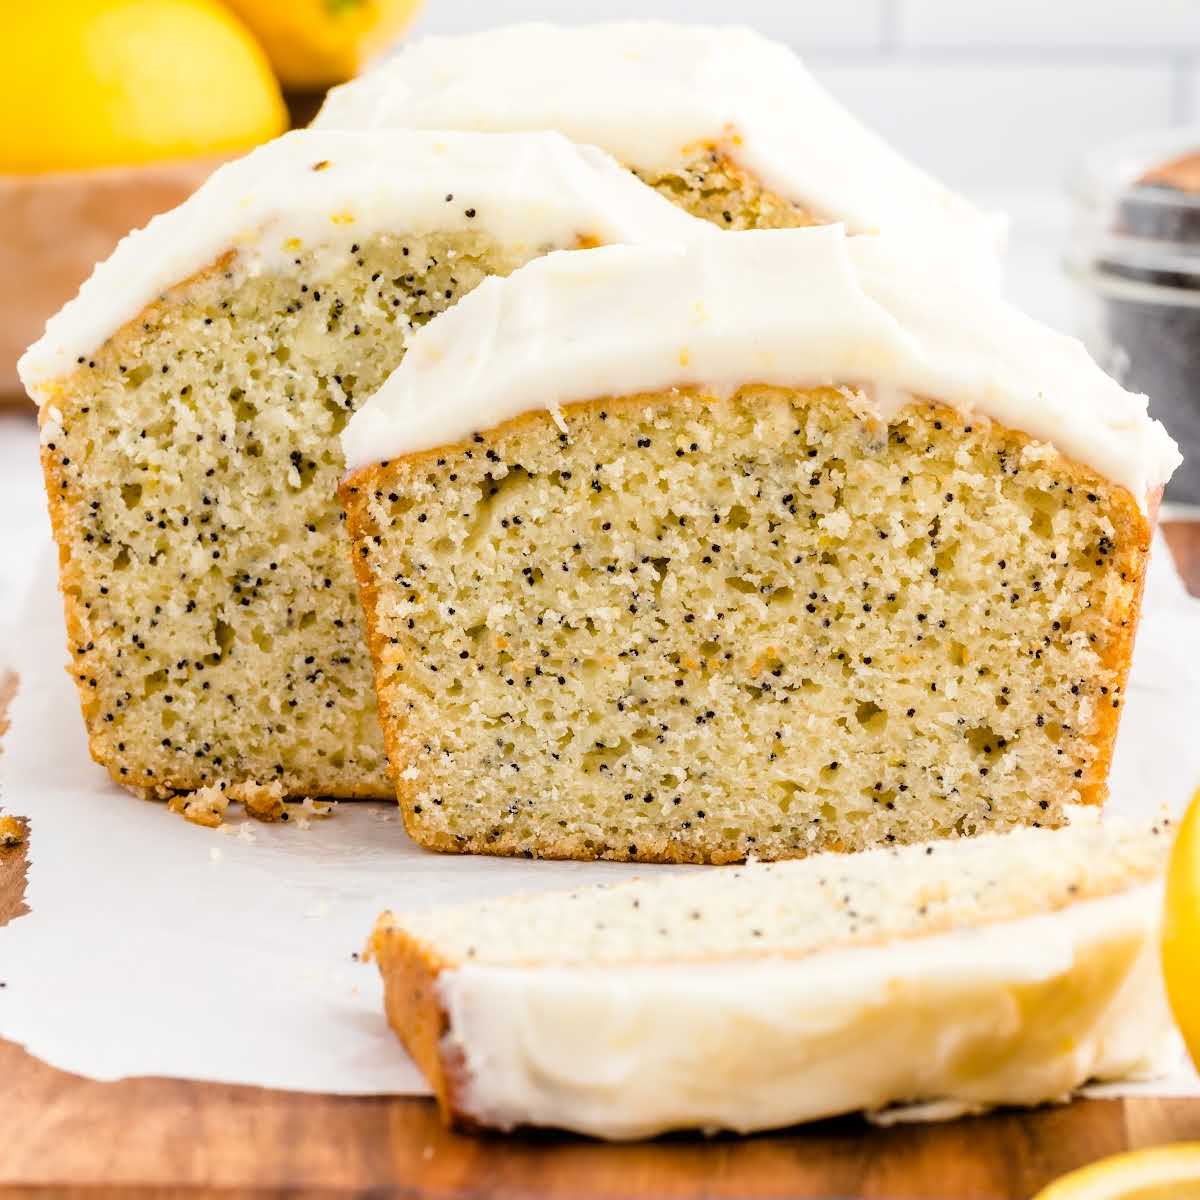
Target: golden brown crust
{"points": [[1134, 533], [58, 495], [358, 527], [1132, 538], [410, 970]]}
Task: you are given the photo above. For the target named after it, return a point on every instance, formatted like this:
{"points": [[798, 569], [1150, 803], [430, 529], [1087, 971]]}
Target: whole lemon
{"points": [[92, 83], [1155, 1173], [314, 43], [1181, 929]]}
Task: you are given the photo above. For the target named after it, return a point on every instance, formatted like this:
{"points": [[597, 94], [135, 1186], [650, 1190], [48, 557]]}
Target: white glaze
{"points": [[805, 307], [1018, 1012], [533, 189], [648, 91]]}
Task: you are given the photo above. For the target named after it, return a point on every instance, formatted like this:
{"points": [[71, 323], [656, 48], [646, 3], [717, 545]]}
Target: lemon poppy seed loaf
{"points": [[1007, 969], [753, 547], [191, 398], [721, 120]]}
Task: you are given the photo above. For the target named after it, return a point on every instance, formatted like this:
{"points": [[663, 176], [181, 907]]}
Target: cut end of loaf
{"points": [[695, 630], [191, 466]]}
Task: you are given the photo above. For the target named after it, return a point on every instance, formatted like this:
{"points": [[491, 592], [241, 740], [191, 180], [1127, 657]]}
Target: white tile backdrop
{"points": [[1015, 123], [836, 24], [1156, 25]]}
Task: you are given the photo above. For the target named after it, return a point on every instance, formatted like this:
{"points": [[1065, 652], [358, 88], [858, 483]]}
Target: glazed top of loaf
{"points": [[648, 92], [329, 188], [798, 307]]}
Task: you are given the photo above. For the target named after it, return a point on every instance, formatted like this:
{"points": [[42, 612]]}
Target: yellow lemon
{"points": [[1181, 929], [315, 43], [91, 83], [1160, 1173]]}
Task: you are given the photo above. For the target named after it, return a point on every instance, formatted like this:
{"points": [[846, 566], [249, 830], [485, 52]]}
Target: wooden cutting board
{"points": [[63, 1136]]}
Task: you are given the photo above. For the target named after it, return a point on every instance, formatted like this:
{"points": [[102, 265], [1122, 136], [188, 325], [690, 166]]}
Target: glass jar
{"points": [[1136, 254]]}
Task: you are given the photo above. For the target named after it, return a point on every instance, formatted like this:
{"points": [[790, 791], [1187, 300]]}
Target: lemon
{"points": [[1160, 1173], [90, 83], [1181, 929], [314, 43]]}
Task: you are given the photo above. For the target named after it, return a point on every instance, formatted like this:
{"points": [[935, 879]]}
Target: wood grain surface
{"points": [[63, 1136]]}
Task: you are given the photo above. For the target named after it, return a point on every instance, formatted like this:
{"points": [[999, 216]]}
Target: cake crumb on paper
{"points": [[208, 806]]}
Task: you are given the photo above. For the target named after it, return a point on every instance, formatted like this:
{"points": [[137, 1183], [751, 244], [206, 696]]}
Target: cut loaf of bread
{"points": [[191, 399], [637, 589], [1008, 969], [721, 120]]}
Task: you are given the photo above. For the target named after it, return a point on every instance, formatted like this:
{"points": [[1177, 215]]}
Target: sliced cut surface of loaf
{"points": [[674, 602], [191, 398], [719, 119], [1007, 969]]}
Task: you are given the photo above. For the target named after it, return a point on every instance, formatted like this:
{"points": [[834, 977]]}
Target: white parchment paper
{"points": [[156, 947]]}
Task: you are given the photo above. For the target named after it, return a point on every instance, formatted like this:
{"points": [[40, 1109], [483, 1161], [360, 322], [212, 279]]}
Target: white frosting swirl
{"points": [[325, 190], [650, 92], [799, 308]]}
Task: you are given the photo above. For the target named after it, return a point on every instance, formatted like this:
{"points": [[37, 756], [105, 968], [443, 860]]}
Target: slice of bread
{"points": [[191, 399], [1009, 969], [671, 602], [721, 120]]}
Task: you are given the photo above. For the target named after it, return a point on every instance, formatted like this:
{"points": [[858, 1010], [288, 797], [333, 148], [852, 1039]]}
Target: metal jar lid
{"points": [[1137, 218]]}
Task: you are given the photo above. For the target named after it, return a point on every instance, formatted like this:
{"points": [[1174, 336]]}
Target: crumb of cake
{"points": [[794, 908], [241, 830], [12, 832], [308, 810], [157, 792], [262, 801], [265, 802], [714, 188], [213, 616], [205, 806], [701, 629]]}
